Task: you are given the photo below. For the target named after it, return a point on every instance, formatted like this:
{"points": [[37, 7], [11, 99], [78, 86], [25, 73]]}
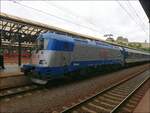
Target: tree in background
{"points": [[109, 37], [124, 41], [121, 40], [110, 40], [135, 45]]}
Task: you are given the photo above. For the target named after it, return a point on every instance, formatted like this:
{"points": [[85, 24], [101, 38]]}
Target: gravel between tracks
{"points": [[8, 82], [54, 98]]}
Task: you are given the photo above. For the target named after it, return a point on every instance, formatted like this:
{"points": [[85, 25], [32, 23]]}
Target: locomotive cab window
{"points": [[46, 41], [40, 44]]}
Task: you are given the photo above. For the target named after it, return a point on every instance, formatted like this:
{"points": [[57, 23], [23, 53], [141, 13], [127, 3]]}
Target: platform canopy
{"points": [[146, 6], [12, 27], [19, 32]]}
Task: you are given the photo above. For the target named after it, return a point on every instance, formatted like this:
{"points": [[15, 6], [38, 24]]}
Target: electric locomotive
{"points": [[57, 55]]}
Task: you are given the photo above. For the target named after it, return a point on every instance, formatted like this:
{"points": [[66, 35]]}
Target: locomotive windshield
{"points": [[40, 44]]}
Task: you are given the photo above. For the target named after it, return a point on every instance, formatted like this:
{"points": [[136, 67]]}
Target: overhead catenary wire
{"points": [[75, 15], [142, 25], [66, 20], [130, 16], [60, 18]]}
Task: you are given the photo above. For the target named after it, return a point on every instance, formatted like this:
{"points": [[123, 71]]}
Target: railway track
{"points": [[112, 98], [21, 89], [9, 92]]}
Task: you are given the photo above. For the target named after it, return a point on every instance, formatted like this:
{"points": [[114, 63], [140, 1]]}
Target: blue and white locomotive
{"points": [[58, 54]]}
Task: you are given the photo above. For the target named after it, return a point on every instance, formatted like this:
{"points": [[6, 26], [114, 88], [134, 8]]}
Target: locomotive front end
{"points": [[51, 56], [39, 58]]}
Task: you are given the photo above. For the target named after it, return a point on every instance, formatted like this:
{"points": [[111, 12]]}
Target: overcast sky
{"points": [[96, 18]]}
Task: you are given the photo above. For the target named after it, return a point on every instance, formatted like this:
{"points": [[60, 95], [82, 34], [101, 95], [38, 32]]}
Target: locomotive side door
{"points": [[66, 53]]}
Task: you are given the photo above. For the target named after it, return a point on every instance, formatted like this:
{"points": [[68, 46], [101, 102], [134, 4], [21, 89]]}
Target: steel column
{"points": [[1, 39], [19, 49]]}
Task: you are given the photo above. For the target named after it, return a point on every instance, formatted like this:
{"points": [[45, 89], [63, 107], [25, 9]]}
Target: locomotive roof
{"points": [[136, 51], [49, 35], [70, 39]]}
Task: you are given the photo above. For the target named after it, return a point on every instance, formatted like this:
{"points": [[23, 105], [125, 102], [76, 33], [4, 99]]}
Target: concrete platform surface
{"points": [[144, 104], [10, 70]]}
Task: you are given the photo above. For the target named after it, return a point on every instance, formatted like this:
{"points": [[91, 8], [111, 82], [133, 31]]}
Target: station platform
{"points": [[144, 104], [10, 70]]}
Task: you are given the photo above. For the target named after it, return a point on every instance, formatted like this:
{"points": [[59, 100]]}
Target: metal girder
{"points": [[50, 28], [9, 29]]}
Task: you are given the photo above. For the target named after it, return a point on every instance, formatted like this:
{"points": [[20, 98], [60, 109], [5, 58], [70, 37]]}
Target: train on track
{"points": [[59, 55]]}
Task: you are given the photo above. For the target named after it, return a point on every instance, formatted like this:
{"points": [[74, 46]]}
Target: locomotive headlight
{"points": [[42, 62]]}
